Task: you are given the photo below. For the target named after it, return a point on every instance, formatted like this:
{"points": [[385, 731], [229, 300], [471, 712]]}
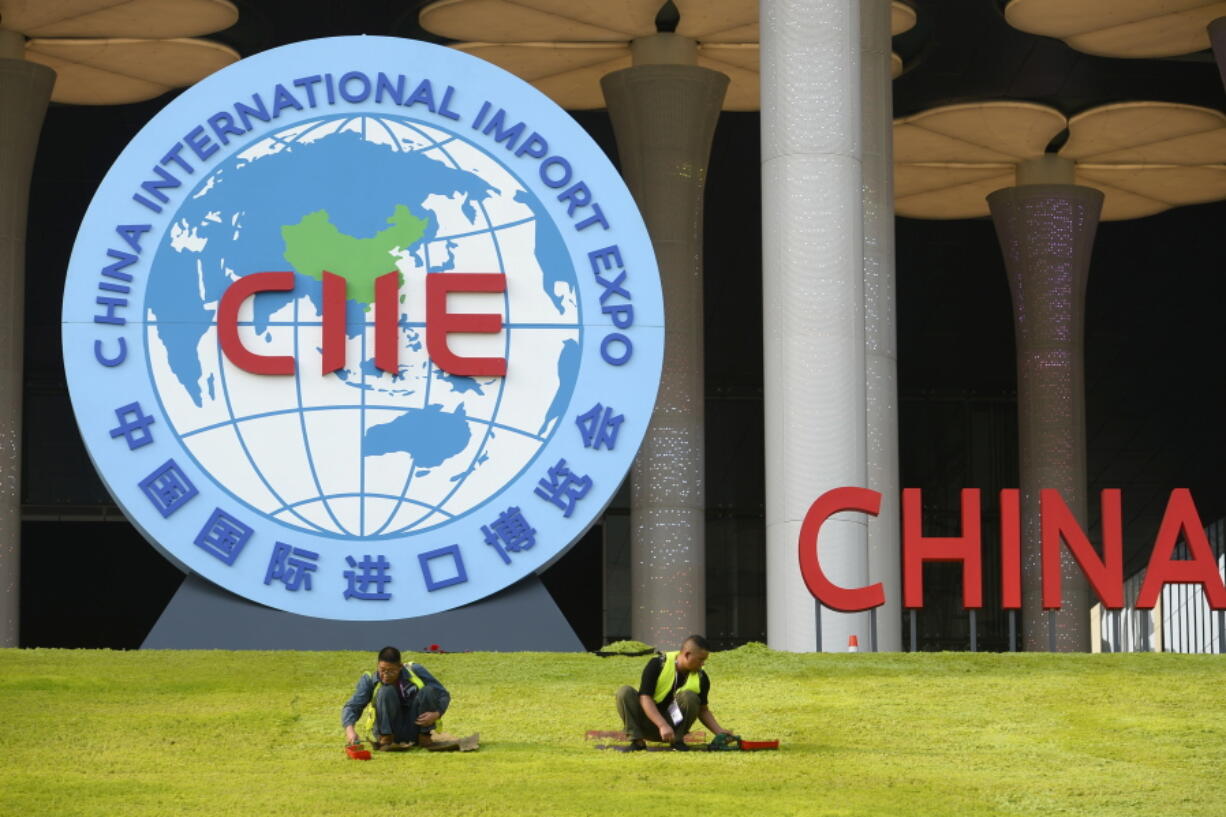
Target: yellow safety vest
{"points": [[370, 717], [668, 677]]}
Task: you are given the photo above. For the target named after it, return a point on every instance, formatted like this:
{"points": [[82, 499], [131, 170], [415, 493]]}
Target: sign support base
{"points": [[203, 616]]}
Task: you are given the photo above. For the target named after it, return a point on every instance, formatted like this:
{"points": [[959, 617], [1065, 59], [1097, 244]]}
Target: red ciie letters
{"points": [[439, 322]]}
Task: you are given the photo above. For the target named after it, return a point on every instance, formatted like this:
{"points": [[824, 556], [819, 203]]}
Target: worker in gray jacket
{"points": [[406, 702]]}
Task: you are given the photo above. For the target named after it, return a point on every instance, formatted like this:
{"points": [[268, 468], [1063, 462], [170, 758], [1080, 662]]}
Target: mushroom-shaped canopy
{"points": [[115, 71], [564, 47], [147, 19], [108, 53], [1120, 28], [1146, 157], [513, 21]]}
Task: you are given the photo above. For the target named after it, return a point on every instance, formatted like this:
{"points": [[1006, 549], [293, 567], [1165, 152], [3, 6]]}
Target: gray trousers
{"points": [[393, 718], [639, 726]]}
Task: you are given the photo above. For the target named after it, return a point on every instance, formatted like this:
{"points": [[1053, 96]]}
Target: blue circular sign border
{"points": [[449, 565]]}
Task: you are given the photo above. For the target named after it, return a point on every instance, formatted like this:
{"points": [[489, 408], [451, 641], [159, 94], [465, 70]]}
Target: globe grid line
{"points": [[303, 131], [408, 478], [492, 231], [343, 407], [362, 425], [397, 147], [238, 433], [306, 438], [371, 324], [356, 495], [306, 129], [342, 119], [506, 351]]}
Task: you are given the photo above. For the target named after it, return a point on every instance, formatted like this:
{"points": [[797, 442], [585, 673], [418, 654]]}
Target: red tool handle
{"points": [[356, 752]]}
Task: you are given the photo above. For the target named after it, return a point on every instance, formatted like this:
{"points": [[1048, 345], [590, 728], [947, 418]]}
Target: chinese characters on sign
{"points": [[291, 566], [365, 574], [509, 532]]}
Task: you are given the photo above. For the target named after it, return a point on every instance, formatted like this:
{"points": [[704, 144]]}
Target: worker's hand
{"points": [[428, 718], [351, 735], [667, 734]]}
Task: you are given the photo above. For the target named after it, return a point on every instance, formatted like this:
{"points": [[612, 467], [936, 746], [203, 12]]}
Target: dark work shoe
{"points": [[636, 746], [679, 746]]}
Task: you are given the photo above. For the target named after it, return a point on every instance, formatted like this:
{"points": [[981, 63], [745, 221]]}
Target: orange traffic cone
{"points": [[853, 643]]}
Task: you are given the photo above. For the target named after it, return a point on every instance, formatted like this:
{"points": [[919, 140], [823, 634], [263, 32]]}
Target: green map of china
{"points": [[314, 245], [430, 435]]}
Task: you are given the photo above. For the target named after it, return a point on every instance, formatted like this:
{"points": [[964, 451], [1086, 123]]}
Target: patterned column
{"points": [[25, 89], [880, 335], [664, 111], [1046, 233], [1217, 35], [813, 308]]}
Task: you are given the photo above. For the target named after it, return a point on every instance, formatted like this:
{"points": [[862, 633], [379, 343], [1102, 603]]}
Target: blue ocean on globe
{"points": [[361, 452]]}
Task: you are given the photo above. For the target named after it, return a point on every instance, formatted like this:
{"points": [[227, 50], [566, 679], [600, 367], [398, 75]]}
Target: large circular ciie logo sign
{"points": [[362, 328]]}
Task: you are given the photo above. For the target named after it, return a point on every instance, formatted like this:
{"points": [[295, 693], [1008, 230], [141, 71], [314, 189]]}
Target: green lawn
{"points": [[258, 733]]}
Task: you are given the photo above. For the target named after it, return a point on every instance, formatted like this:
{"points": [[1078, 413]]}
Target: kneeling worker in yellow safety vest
{"points": [[405, 703], [672, 694]]}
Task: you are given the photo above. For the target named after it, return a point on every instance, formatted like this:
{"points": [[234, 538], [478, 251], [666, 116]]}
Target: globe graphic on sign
{"points": [[361, 452]]}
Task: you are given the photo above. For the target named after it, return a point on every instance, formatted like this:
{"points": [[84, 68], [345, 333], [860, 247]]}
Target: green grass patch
{"points": [[258, 733]]}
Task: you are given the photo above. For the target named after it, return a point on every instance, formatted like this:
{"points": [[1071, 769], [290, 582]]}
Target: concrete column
{"points": [[25, 89], [813, 303], [880, 333], [1217, 36], [664, 110], [1046, 233]]}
